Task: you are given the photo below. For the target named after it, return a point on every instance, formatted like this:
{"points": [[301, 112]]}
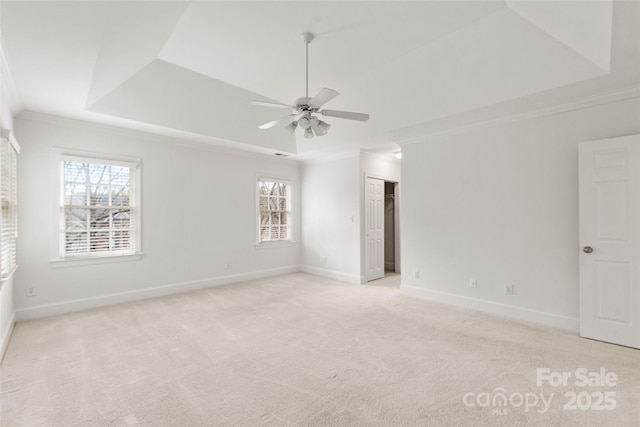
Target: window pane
{"points": [[121, 239], [265, 188], [8, 200], [75, 172], [76, 242], [76, 219], [121, 219], [119, 196], [75, 194], [120, 176], [100, 195], [100, 218], [99, 174], [264, 203], [283, 232], [274, 210], [6, 212], [103, 194], [99, 241], [275, 218], [273, 204], [282, 204], [265, 233]]}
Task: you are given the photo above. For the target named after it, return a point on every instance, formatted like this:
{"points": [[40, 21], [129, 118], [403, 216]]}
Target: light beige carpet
{"points": [[301, 350]]}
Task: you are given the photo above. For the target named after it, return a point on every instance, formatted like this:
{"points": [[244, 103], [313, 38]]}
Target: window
{"points": [[274, 201], [99, 216], [9, 150]]}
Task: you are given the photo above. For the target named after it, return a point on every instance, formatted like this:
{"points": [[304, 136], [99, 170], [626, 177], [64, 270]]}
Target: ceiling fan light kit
{"points": [[303, 112]]}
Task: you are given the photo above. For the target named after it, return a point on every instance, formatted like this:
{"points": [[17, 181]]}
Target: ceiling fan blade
{"points": [[284, 121], [324, 96], [269, 104], [361, 117]]}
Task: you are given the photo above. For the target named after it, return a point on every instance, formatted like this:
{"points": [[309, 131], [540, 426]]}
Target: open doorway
{"points": [[391, 228], [382, 228]]}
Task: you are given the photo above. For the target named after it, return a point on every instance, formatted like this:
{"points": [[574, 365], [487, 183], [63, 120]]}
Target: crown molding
{"points": [[579, 104], [191, 141]]}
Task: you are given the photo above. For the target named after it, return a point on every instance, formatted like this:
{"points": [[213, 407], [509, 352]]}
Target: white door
{"points": [[374, 224], [610, 240]]}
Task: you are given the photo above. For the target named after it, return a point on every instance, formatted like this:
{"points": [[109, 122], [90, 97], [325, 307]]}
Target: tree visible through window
{"points": [[98, 209], [8, 202], [275, 217]]}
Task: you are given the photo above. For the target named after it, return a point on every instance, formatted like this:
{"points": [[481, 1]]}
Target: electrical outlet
{"points": [[473, 283], [416, 274], [227, 265], [509, 288], [31, 291]]}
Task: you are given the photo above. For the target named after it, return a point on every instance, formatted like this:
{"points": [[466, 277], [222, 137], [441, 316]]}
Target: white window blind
{"points": [[274, 201], [98, 208], [9, 149]]}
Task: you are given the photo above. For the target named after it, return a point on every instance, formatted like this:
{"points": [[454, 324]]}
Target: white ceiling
{"points": [[189, 69]]}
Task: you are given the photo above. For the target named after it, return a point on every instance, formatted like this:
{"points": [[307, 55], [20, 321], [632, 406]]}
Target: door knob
{"points": [[587, 249]]}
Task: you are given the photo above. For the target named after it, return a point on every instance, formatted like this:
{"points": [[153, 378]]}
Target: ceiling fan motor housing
{"points": [[302, 104], [307, 37]]}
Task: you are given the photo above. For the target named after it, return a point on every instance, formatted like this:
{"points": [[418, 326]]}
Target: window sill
{"points": [[277, 244], [107, 259]]}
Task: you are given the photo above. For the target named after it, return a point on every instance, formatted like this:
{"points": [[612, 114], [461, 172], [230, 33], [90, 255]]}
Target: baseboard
{"points": [[332, 274], [46, 310], [502, 310], [6, 336], [253, 275]]}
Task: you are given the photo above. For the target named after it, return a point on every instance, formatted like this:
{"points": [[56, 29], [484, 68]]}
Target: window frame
{"points": [[58, 232], [290, 199], [13, 149]]}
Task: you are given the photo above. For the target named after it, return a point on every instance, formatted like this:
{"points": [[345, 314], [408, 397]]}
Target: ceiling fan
{"points": [[303, 113]]}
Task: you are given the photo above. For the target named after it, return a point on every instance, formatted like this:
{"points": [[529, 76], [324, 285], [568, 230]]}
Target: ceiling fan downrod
{"points": [[307, 37]]}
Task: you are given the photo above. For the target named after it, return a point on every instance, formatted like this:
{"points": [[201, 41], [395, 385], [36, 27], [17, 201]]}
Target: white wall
{"points": [[381, 166], [6, 117], [332, 209], [331, 218], [198, 215], [500, 205], [6, 95]]}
